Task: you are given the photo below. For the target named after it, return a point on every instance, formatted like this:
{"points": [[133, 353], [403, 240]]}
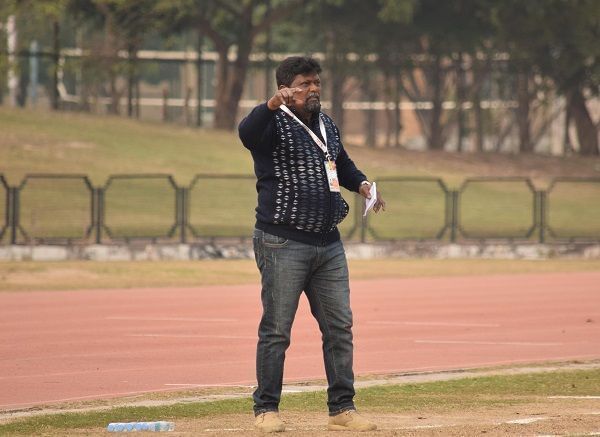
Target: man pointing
{"points": [[300, 164]]}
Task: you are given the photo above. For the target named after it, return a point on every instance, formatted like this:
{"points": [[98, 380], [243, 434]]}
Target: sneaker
{"points": [[350, 420], [269, 422]]}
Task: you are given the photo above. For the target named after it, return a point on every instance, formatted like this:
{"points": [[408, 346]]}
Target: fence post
{"points": [[8, 210], [542, 215], [453, 215], [182, 196], [14, 217], [363, 228], [99, 214]]}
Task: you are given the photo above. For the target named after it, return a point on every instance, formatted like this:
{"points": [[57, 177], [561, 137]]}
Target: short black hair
{"points": [[294, 65]]}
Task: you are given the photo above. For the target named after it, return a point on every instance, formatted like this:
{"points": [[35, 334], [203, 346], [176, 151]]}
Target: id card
{"points": [[332, 177]]}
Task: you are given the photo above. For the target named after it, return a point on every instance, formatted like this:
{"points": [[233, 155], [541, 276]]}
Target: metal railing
{"points": [[69, 209]]}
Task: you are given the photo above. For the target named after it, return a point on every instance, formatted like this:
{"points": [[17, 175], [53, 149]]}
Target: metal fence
{"points": [[69, 209]]}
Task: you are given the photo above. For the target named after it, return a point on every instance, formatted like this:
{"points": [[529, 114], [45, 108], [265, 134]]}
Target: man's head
{"points": [[301, 72]]}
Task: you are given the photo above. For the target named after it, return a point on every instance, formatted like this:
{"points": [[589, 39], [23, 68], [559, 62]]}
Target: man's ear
{"points": [[281, 87]]}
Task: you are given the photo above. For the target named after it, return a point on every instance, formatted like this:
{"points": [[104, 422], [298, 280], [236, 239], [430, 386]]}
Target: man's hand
{"points": [[283, 96], [364, 191]]}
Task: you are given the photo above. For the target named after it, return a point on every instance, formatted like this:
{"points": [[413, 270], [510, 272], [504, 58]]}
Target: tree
{"points": [[230, 25], [559, 40], [39, 15], [125, 24]]}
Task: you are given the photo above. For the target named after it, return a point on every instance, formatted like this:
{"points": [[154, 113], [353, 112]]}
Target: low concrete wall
{"points": [[196, 251]]}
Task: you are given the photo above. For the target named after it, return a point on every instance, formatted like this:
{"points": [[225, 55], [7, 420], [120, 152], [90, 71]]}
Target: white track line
{"points": [[526, 420], [210, 385], [171, 319], [575, 397], [229, 337], [447, 324], [503, 343]]}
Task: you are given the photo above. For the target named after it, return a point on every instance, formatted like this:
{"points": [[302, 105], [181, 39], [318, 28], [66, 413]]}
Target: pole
{"points": [[11, 42]]}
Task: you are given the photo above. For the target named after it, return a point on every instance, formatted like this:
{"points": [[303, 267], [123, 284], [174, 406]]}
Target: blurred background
{"points": [[445, 90], [459, 75]]}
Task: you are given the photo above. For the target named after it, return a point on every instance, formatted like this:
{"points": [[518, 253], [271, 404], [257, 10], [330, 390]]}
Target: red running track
{"points": [[59, 346]]}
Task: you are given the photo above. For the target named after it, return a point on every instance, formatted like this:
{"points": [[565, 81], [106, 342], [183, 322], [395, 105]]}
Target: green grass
{"points": [[100, 146], [467, 395]]}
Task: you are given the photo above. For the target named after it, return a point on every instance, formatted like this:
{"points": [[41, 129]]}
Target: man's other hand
{"points": [[365, 191]]}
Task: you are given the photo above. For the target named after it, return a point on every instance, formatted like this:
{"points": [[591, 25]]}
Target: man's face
{"points": [[309, 99]]}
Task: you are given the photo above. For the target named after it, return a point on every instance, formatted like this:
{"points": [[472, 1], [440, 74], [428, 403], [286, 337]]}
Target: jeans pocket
{"points": [[270, 240]]}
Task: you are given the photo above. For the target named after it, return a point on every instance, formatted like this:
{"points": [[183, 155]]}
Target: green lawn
{"points": [[100, 146]]}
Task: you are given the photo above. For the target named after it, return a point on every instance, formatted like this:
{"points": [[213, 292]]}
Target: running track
{"points": [[59, 346]]}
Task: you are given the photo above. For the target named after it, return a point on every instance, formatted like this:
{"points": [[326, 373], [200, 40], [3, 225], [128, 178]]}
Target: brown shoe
{"points": [[350, 420], [269, 422]]}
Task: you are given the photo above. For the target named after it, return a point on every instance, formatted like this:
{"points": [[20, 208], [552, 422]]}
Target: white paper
{"points": [[370, 202]]}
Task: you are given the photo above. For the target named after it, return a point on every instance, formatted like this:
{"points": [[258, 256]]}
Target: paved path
{"points": [[77, 345]]}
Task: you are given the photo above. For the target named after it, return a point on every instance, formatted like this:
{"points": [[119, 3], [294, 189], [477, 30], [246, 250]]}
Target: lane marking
{"points": [[593, 433], [229, 337], [448, 324], [527, 420], [503, 343], [210, 385], [171, 319]]}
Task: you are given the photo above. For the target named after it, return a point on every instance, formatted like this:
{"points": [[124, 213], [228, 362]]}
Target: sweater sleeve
{"points": [[350, 176], [257, 129]]}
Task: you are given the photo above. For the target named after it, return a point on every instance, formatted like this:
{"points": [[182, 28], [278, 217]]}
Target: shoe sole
{"points": [[268, 431]]}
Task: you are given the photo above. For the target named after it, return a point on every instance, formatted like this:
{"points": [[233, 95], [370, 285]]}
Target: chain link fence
{"points": [[68, 209]]}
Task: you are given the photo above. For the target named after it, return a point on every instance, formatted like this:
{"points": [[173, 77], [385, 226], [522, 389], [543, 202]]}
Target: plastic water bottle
{"points": [[158, 426]]}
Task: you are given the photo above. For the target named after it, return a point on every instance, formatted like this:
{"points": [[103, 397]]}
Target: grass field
{"points": [[466, 406], [58, 143], [74, 275]]}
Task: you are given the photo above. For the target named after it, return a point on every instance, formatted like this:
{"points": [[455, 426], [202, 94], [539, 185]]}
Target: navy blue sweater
{"points": [[294, 200]]}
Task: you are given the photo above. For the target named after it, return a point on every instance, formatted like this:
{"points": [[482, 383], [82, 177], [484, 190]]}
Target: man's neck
{"points": [[306, 117]]}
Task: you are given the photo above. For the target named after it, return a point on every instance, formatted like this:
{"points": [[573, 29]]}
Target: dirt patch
{"points": [[542, 417]]}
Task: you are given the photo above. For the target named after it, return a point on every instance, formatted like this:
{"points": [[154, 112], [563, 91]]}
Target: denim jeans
{"points": [[287, 269]]}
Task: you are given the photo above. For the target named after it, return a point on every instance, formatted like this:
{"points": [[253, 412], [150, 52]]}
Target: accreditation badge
{"points": [[332, 177]]}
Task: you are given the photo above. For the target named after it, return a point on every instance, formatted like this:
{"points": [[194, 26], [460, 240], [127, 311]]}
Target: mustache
{"points": [[315, 95]]}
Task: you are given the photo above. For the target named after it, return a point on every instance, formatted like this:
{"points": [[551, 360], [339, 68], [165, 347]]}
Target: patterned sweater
{"points": [[294, 200]]}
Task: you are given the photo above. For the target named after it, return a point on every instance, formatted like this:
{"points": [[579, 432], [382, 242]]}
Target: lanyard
{"points": [[316, 139]]}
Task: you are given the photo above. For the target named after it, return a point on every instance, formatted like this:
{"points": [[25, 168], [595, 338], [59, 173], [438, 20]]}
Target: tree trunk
{"points": [[222, 73], [477, 110], [567, 146], [238, 79], [587, 132], [436, 141], [337, 77], [460, 99], [225, 116], [336, 90], [370, 115], [389, 111], [523, 112], [268, 74], [131, 68], [397, 110]]}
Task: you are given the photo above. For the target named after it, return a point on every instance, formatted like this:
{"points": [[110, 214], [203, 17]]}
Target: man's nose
{"points": [[314, 88]]}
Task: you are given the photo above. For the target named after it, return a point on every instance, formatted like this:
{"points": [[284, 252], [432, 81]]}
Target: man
{"points": [[300, 162]]}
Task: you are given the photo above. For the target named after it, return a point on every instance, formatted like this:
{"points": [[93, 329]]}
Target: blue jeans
{"points": [[287, 269]]}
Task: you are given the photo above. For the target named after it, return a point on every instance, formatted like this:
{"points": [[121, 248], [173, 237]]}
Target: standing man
{"points": [[300, 163]]}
